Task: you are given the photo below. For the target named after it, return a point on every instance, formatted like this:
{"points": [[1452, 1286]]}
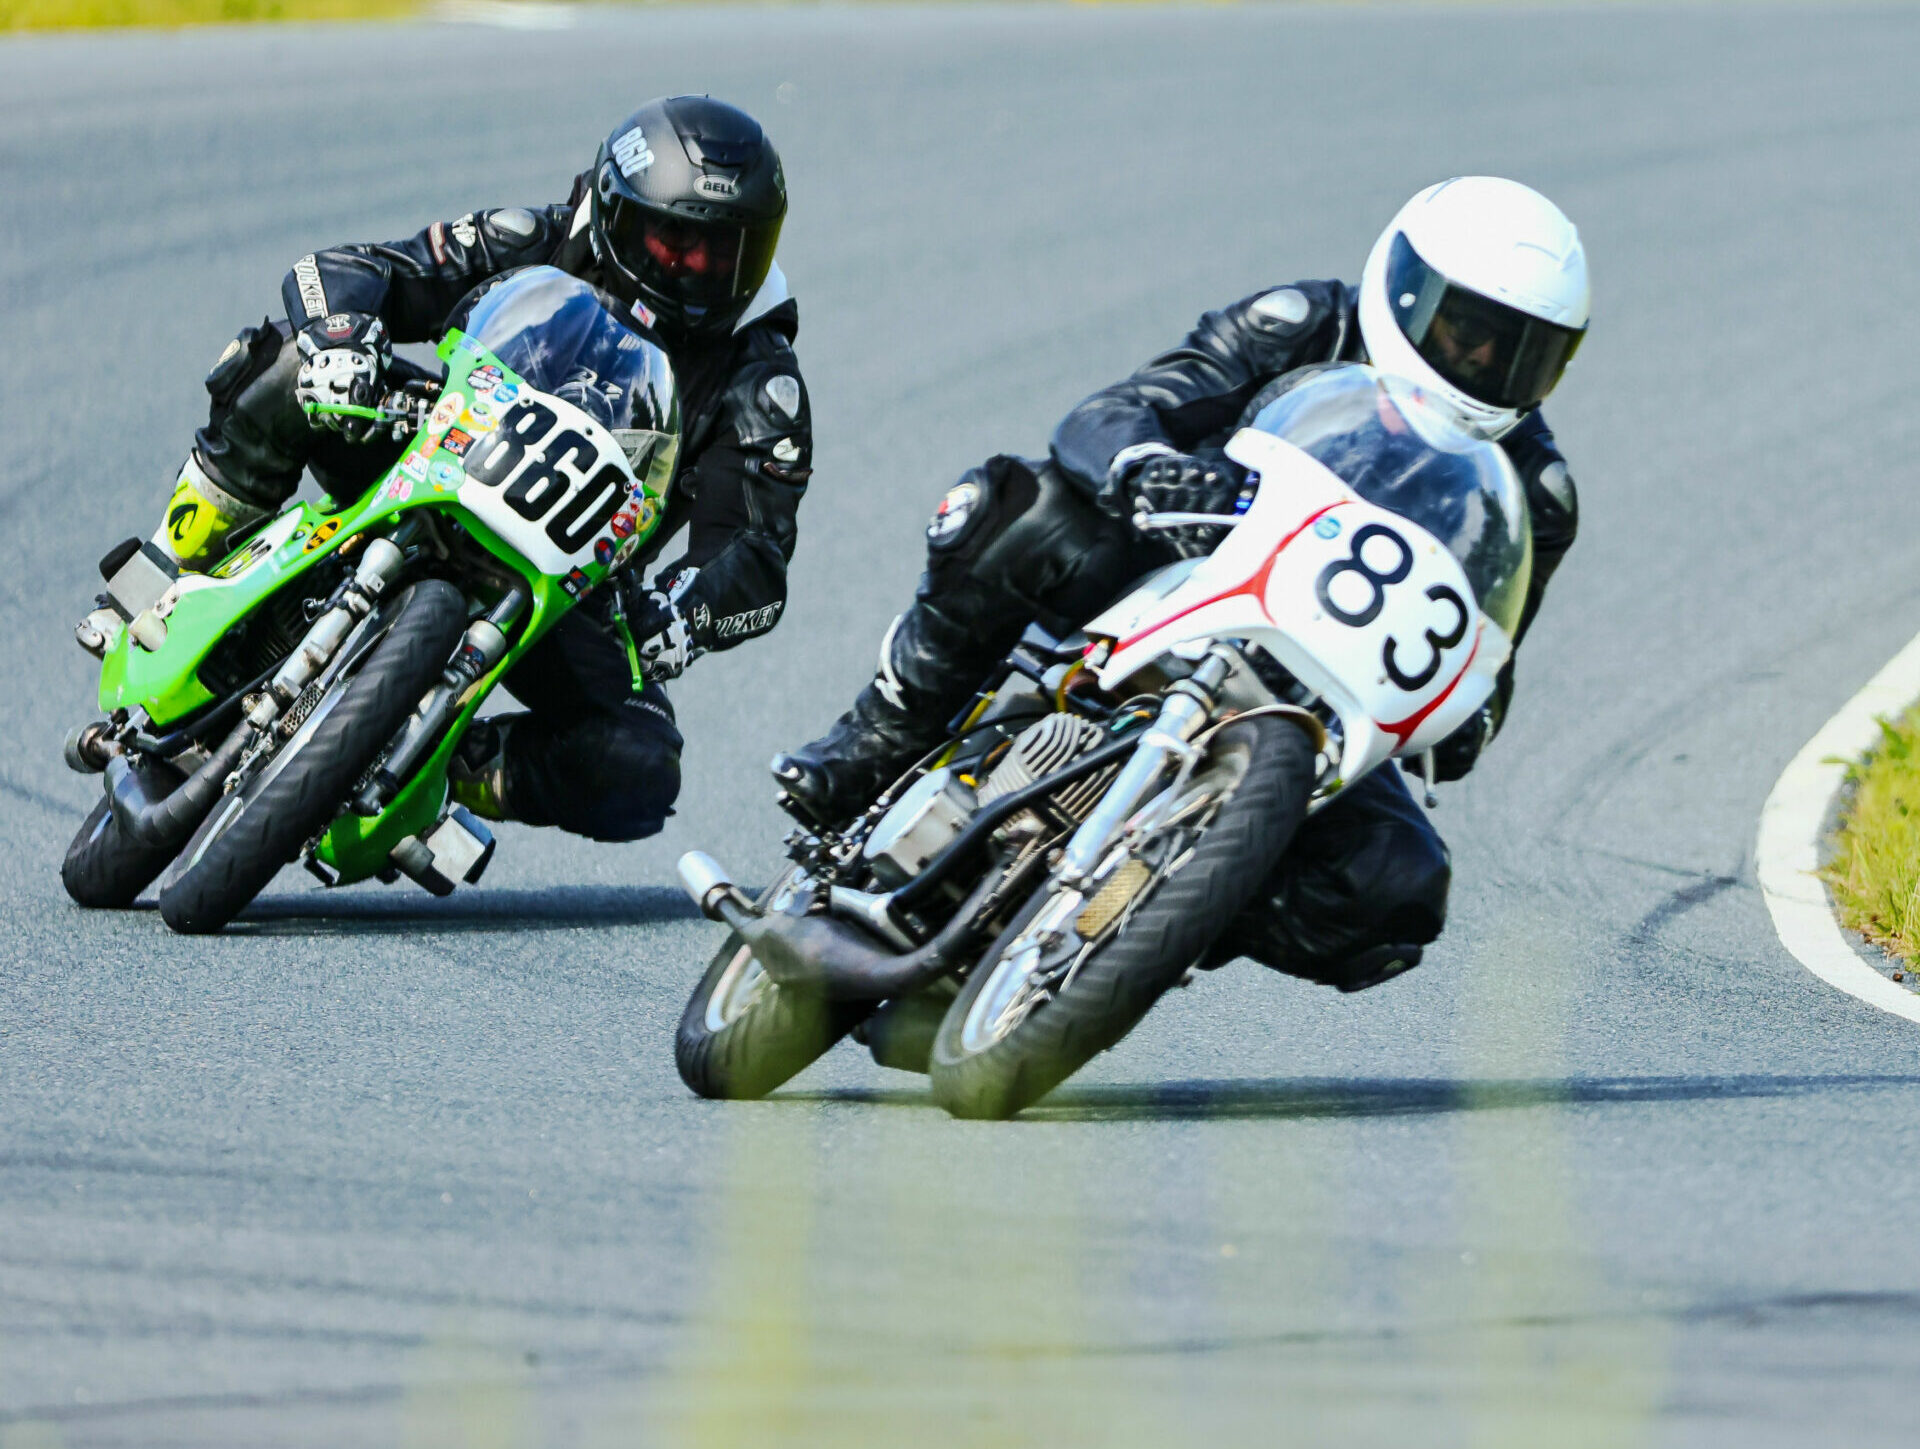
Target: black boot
{"points": [[931, 661], [838, 775]]}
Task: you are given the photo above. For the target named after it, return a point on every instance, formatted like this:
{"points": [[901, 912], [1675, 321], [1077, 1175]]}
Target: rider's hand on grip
{"points": [[342, 359], [1176, 483]]}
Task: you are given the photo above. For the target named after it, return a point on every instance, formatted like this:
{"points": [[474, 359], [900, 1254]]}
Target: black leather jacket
{"points": [[1192, 397], [747, 445]]}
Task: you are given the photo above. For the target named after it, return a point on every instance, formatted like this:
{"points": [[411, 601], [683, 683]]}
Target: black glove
{"points": [[1175, 483], [343, 357], [665, 639]]}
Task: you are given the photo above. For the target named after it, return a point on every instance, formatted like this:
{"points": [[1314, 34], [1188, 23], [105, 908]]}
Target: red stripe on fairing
{"points": [[1404, 730], [1254, 587]]}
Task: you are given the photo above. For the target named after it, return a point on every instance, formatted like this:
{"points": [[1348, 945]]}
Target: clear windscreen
{"points": [[1382, 438], [564, 337]]}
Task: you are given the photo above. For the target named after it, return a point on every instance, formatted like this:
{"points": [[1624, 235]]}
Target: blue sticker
{"points": [[1328, 528], [446, 475]]}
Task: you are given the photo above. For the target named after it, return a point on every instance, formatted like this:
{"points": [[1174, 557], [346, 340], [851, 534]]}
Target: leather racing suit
{"points": [[1364, 884], [590, 755]]}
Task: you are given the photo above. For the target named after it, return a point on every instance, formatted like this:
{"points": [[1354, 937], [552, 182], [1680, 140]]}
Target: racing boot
{"points": [[930, 663], [477, 773], [201, 517]]}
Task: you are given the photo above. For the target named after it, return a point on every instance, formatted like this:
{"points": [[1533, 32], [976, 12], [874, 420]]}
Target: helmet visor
{"points": [[703, 264], [1492, 352]]}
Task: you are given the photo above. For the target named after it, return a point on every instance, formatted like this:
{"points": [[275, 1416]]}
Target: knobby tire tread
{"points": [[298, 803]]}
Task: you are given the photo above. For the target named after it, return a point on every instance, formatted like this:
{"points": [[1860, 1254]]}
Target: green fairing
{"points": [[166, 682]]}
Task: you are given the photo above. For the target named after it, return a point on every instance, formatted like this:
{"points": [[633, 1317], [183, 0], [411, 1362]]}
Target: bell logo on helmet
{"points": [[719, 186], [633, 153]]}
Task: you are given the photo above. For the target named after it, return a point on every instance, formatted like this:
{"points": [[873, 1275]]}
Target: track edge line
{"points": [[1787, 849]]}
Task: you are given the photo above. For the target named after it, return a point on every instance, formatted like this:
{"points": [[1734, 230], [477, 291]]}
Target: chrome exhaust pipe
{"points": [[706, 881]]}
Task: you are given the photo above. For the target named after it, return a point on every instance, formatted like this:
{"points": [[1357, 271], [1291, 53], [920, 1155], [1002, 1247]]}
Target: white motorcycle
{"points": [[1017, 901]]}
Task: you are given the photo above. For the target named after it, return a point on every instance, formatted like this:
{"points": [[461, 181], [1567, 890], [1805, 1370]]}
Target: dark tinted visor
{"points": [[700, 263], [1490, 351]]}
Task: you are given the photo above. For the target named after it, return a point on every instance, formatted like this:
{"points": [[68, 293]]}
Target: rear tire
{"points": [[1167, 931], [104, 870], [268, 830], [742, 1035]]}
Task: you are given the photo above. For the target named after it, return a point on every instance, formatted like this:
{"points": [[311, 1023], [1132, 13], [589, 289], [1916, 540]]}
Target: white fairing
{"points": [[1386, 632], [572, 472]]}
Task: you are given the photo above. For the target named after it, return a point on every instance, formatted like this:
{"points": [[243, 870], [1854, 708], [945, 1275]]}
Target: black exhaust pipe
{"points": [[167, 822], [829, 957]]}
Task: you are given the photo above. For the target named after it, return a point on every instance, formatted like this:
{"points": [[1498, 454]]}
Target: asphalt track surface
{"points": [[1611, 1169]]}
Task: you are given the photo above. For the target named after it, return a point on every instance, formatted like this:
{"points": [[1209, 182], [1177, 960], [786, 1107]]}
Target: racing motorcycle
{"points": [[1019, 899], [302, 699]]}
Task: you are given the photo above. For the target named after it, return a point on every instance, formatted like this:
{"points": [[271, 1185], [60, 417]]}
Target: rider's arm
{"points": [[1201, 386], [1553, 507], [745, 487], [412, 285]]}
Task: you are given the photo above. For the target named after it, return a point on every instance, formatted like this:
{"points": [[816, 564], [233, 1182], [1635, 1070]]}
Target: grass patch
{"points": [[94, 14], [1875, 876]]}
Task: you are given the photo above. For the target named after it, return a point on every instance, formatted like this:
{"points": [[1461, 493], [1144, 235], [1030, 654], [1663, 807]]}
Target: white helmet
{"points": [[1477, 292]]}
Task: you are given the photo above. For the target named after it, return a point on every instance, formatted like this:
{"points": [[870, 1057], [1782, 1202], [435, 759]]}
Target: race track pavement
{"points": [[1610, 1169]]}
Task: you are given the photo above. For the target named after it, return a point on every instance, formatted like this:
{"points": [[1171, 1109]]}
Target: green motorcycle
{"points": [[302, 699]]}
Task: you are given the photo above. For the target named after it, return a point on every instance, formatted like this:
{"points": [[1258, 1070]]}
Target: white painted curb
{"points": [[1791, 824]]}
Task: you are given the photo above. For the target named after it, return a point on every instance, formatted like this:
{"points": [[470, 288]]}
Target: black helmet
{"points": [[688, 197]]}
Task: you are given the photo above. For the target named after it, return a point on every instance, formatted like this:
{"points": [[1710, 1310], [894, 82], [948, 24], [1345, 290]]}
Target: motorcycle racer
{"points": [[1476, 292], [677, 219]]}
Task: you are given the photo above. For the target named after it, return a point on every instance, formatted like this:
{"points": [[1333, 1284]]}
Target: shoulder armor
{"points": [[1294, 311], [768, 404]]}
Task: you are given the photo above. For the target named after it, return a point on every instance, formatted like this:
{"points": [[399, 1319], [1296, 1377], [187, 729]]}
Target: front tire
{"points": [[742, 1035], [996, 1053], [266, 826]]}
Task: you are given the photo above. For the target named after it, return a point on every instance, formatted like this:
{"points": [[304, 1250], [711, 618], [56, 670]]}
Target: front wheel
{"points": [[1074, 974], [263, 825], [742, 1035]]}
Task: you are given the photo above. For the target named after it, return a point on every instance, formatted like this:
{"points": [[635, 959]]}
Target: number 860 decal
{"points": [[544, 468], [1378, 580]]}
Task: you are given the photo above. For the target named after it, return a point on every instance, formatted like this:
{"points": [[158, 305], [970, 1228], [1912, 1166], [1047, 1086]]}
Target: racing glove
{"points": [[342, 359], [661, 640], [1163, 481]]}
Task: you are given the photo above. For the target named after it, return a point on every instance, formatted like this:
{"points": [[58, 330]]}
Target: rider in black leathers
{"points": [[677, 220], [1364, 886]]}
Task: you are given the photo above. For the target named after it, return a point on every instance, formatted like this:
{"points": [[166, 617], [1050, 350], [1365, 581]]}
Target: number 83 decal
{"points": [[1377, 581]]}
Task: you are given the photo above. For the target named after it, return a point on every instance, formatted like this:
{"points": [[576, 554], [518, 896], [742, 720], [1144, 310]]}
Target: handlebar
{"points": [[404, 409]]}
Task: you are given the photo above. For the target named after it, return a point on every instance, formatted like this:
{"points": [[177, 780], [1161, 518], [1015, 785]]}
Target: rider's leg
{"points": [[590, 756], [1362, 888], [247, 461], [1011, 543]]}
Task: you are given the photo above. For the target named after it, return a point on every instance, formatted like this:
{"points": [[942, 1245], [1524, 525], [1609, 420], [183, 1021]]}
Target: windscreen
{"points": [[563, 337], [1383, 439]]}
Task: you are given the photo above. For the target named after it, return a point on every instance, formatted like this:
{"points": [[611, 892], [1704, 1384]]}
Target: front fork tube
{"points": [[1188, 706]]}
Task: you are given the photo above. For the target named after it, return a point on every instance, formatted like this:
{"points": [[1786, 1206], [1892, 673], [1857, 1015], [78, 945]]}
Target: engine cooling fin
{"points": [[1044, 747]]}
